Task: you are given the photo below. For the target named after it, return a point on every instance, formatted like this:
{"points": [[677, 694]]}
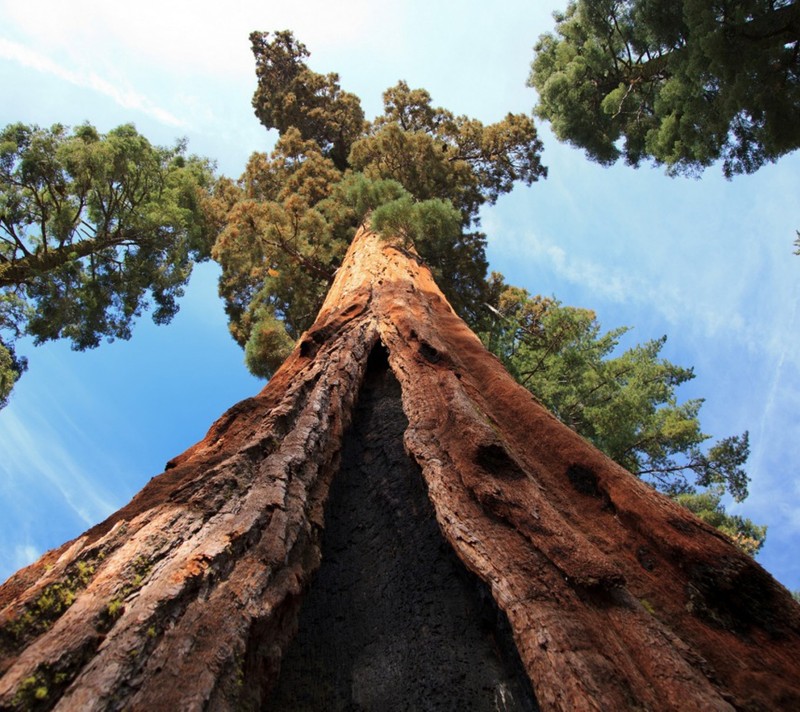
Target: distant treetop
{"points": [[94, 229]]}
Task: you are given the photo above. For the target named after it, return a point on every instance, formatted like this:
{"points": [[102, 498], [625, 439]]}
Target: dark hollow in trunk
{"points": [[393, 620]]}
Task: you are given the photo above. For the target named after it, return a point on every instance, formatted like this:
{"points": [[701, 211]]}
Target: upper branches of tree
{"points": [[683, 83], [94, 229], [420, 169]]}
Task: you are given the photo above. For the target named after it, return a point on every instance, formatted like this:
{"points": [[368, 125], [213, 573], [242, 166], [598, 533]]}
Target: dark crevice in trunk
{"points": [[393, 620]]}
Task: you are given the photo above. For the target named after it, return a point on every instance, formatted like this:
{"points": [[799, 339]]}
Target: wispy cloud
{"points": [[22, 442], [775, 394], [125, 97], [43, 441], [17, 555], [184, 36], [615, 284], [25, 554]]}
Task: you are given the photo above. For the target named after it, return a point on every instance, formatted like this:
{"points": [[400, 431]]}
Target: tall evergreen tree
{"points": [[420, 171], [624, 403]]}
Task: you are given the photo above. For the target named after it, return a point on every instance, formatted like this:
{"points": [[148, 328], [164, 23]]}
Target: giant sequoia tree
{"points": [[615, 597], [425, 531], [424, 171]]}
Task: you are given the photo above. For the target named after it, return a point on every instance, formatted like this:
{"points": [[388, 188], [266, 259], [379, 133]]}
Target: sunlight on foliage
{"points": [[417, 171]]}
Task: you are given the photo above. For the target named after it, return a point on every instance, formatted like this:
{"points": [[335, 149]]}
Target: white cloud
{"points": [[198, 37], [774, 395], [125, 97], [696, 297], [34, 450], [25, 554], [615, 284]]}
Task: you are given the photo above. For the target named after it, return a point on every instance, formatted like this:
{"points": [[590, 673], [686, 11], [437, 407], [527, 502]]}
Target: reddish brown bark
{"points": [[187, 597]]}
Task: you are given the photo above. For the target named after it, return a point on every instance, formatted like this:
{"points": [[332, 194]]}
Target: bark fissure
{"points": [[392, 620]]}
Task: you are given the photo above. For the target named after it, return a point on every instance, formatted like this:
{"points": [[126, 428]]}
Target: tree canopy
{"points": [[624, 403], [94, 229], [286, 224], [683, 83]]}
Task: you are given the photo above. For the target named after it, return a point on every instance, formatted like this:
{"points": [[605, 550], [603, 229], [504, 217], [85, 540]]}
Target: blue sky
{"points": [[708, 262]]}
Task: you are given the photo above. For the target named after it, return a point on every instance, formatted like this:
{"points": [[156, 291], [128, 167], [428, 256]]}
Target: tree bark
{"points": [[188, 597]]}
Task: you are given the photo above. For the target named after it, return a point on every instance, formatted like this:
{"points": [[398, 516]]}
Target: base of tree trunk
{"points": [[188, 597]]}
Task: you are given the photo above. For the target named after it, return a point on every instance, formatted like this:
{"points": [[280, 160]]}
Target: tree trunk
{"points": [[612, 596]]}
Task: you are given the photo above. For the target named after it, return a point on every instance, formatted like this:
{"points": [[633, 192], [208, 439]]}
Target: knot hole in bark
{"points": [[314, 338], [737, 595], [585, 481], [496, 460], [429, 353]]}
